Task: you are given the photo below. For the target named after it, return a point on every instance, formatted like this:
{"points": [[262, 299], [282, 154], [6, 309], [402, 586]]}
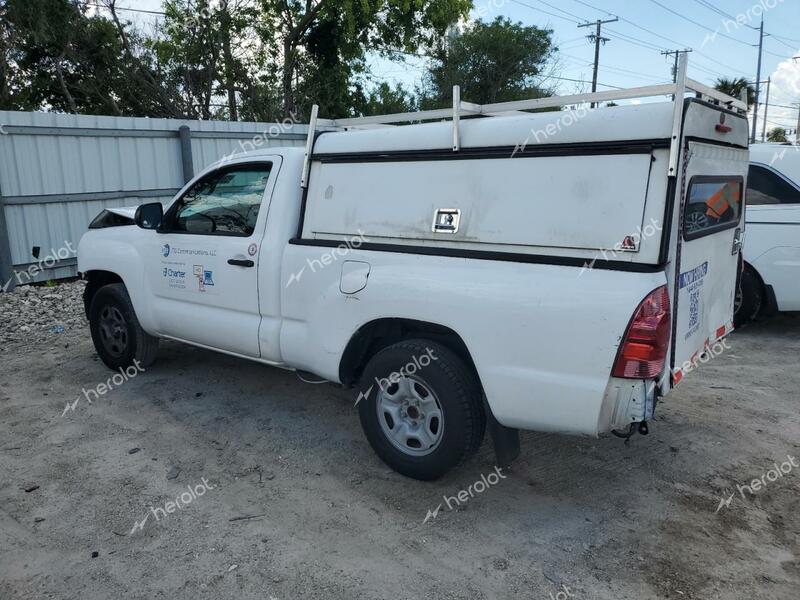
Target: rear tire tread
{"points": [[468, 403]]}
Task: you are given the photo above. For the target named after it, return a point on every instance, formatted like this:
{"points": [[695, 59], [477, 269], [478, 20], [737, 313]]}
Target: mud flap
{"points": [[505, 440]]}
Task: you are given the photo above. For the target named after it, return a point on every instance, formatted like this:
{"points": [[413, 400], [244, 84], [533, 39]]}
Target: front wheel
{"points": [[421, 408], [118, 337]]}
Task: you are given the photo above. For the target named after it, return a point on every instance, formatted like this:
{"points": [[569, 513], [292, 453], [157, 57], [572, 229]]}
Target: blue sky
{"points": [[632, 55]]}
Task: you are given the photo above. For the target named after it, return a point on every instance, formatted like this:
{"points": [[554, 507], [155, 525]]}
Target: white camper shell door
{"points": [[710, 233]]}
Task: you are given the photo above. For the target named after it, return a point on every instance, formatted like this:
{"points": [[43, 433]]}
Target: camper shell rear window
{"points": [[712, 204]]}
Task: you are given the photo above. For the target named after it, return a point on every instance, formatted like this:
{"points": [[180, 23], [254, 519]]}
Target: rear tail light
{"points": [[644, 347]]}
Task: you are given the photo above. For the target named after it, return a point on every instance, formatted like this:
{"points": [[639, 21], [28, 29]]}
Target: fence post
{"points": [[7, 282], [187, 160]]}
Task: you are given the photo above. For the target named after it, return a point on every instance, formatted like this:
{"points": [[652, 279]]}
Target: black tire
{"points": [[456, 392], [750, 297], [117, 335]]}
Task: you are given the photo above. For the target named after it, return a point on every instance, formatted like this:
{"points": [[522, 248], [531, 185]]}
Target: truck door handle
{"points": [[241, 262]]}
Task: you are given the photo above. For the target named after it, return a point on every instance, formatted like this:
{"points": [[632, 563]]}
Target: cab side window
{"points": [[764, 186], [226, 202]]}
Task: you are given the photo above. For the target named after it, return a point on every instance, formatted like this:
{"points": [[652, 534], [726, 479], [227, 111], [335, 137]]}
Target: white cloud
{"points": [[784, 90]]}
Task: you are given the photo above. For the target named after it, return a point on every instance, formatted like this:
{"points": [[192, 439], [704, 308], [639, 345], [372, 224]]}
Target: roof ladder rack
{"points": [[677, 90]]}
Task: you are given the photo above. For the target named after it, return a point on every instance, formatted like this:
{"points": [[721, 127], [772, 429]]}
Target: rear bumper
{"points": [[627, 401]]}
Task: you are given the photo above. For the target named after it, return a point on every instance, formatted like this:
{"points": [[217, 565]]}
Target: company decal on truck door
{"points": [[690, 284], [190, 269]]}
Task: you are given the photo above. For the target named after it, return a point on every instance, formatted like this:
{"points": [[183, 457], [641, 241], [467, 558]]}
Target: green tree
{"points": [[734, 86], [492, 62], [205, 50], [777, 134], [58, 58], [385, 99], [321, 44]]}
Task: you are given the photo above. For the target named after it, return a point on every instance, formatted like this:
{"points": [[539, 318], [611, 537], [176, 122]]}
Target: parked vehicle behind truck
{"points": [[770, 280], [520, 271]]}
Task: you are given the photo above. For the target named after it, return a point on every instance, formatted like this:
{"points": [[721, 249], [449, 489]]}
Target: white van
{"points": [[500, 268], [770, 279]]}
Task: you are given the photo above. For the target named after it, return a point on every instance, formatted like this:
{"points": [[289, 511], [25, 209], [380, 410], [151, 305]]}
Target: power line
{"points": [[583, 62], [791, 46], [782, 56], [685, 18], [651, 32], [641, 76], [557, 16], [566, 12], [717, 10], [134, 10], [649, 45], [580, 37], [595, 8], [783, 106], [615, 87], [705, 3], [781, 37], [634, 40]]}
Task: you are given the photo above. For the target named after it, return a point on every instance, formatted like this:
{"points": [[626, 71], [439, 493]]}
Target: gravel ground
{"points": [[39, 314], [290, 501]]}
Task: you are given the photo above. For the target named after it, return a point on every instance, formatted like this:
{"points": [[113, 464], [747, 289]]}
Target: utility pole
{"points": [[677, 53], [766, 110], [758, 80], [797, 131], [597, 38]]}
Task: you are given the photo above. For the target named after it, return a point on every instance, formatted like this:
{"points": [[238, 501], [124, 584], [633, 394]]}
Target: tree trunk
{"points": [[64, 89], [5, 93], [227, 58], [288, 75]]}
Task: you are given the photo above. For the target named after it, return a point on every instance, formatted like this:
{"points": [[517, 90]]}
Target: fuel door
{"points": [[354, 278]]}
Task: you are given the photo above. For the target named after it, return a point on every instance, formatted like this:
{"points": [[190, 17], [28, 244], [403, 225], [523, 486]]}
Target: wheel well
{"points": [[754, 271], [749, 266], [376, 335], [94, 281], [769, 305]]}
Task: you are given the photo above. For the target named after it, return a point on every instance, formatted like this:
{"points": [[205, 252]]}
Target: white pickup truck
{"points": [[503, 268]]}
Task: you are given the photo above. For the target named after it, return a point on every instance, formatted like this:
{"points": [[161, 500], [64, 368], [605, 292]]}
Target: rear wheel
{"points": [[421, 408], [749, 297], [117, 335]]}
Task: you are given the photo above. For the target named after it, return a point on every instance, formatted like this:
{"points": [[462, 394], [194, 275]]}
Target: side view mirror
{"points": [[149, 216]]}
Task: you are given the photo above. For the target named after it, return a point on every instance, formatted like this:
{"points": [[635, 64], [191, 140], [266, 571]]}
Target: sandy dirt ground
{"points": [[290, 502]]}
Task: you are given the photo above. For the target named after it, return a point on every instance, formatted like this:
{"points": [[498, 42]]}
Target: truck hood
{"points": [[125, 211]]}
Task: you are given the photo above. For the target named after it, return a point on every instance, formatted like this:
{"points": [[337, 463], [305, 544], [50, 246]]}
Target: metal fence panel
{"points": [[57, 172]]}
